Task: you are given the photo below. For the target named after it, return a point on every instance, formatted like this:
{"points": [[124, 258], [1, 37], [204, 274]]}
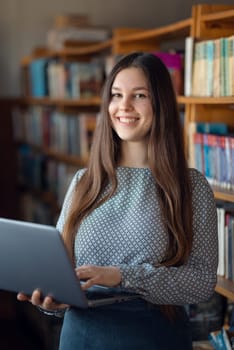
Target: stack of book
{"points": [[74, 30]]}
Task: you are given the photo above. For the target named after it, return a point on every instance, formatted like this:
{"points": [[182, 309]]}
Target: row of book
{"points": [[211, 151], [43, 174], [63, 79], [209, 67], [49, 128], [56, 79]]}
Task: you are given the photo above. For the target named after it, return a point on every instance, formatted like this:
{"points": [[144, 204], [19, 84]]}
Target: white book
{"points": [[189, 42], [221, 239]]}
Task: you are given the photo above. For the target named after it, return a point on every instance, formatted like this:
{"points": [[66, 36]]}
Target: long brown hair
{"points": [[166, 159]]}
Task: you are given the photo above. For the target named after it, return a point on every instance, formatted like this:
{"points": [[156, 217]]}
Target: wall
{"points": [[24, 24]]}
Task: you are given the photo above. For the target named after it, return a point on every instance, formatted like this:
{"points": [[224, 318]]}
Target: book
{"points": [[223, 161], [57, 37], [87, 125], [71, 20], [38, 77], [196, 82], [216, 69], [174, 63], [188, 65], [195, 144], [228, 156], [221, 245], [209, 67], [226, 339], [219, 340], [212, 128], [224, 71], [86, 78], [52, 78], [202, 75], [231, 64], [231, 140], [198, 151]]}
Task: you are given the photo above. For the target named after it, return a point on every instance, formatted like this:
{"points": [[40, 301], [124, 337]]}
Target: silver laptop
{"points": [[33, 256]]}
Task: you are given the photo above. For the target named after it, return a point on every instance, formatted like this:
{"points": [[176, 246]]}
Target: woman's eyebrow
{"points": [[134, 89]]}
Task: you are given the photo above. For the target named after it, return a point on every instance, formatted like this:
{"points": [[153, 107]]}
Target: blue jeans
{"points": [[131, 325]]}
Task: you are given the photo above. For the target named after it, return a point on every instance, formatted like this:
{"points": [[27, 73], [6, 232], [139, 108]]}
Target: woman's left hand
{"points": [[109, 276]]}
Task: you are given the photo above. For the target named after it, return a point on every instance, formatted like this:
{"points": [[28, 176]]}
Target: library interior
{"points": [[55, 58]]}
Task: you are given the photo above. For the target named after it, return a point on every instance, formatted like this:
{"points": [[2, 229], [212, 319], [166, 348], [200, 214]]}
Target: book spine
{"points": [[189, 43]]}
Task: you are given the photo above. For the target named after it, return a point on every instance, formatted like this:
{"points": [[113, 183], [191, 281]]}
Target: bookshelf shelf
{"points": [[87, 50], [47, 101], [77, 51], [224, 16], [225, 287], [224, 196], [171, 31], [206, 100], [149, 39], [60, 157]]}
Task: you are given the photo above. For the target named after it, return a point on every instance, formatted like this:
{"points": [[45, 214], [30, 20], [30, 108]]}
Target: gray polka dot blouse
{"points": [[127, 231]]}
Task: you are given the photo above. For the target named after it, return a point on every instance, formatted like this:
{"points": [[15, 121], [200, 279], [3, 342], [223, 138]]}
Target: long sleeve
{"points": [[193, 282], [67, 201]]}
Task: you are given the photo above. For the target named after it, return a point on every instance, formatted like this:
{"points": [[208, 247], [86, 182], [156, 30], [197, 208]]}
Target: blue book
{"points": [[217, 341], [212, 128], [210, 64], [38, 77], [207, 157], [226, 339]]}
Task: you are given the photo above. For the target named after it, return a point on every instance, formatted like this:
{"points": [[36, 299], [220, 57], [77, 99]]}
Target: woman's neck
{"points": [[134, 155]]}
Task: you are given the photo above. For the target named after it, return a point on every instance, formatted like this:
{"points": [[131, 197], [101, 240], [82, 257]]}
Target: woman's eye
{"points": [[140, 95], [115, 95]]}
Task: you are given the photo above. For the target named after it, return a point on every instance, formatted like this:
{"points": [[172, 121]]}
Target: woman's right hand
{"points": [[36, 299]]}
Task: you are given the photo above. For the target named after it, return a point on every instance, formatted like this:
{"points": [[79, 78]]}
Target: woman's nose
{"points": [[126, 103]]}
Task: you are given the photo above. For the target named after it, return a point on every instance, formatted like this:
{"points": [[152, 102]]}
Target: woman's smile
{"points": [[127, 120]]}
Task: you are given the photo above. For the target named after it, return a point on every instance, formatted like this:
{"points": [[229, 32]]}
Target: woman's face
{"points": [[130, 107]]}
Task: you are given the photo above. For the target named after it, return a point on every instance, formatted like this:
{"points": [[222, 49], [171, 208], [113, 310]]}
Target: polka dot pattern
{"points": [[127, 231]]}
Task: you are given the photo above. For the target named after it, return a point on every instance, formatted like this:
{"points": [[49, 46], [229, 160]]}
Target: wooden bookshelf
{"points": [[213, 22]]}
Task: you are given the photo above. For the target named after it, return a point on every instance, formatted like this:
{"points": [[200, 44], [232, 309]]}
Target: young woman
{"points": [[137, 218]]}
